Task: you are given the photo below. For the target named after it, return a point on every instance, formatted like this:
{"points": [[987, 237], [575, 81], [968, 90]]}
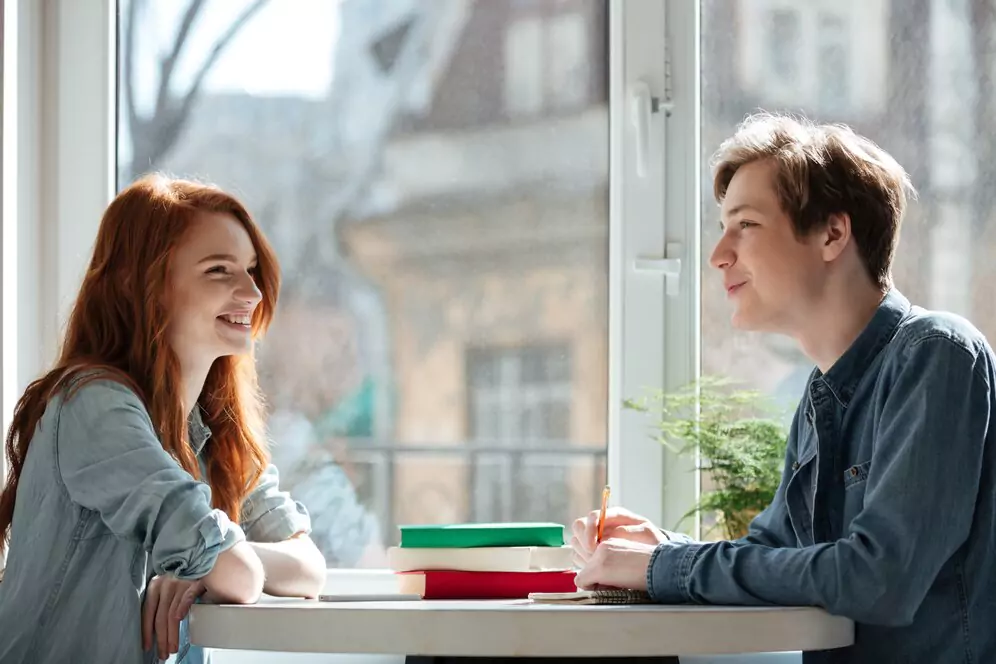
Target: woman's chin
{"points": [[229, 347]]}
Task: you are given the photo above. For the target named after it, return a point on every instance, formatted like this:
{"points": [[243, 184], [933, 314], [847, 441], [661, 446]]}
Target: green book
{"points": [[467, 535]]}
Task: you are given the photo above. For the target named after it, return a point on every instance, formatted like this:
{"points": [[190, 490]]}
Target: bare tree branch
{"points": [[212, 56], [154, 136], [134, 122], [168, 63]]}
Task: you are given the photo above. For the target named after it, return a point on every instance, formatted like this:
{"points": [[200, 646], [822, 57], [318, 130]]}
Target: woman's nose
{"points": [[248, 291]]}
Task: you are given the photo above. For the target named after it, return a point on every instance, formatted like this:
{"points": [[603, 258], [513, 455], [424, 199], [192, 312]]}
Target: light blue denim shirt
{"points": [[101, 508], [900, 534]]}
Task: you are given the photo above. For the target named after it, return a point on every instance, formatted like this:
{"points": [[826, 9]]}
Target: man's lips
{"points": [[732, 288]]}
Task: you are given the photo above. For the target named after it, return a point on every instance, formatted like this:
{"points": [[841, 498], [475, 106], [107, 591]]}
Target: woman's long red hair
{"points": [[117, 330]]}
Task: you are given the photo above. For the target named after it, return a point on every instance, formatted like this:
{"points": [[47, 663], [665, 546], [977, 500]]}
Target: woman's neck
{"points": [[193, 377]]}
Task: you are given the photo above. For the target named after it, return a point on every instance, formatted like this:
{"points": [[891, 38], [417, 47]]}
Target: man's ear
{"points": [[836, 235]]}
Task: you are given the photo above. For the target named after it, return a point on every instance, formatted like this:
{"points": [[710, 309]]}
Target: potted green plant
{"points": [[741, 445]]}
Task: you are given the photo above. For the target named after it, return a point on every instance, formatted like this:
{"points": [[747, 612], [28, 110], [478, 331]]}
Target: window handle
{"points": [[670, 267], [642, 106]]}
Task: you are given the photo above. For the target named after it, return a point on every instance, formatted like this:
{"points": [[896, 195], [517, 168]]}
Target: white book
{"points": [[482, 559]]}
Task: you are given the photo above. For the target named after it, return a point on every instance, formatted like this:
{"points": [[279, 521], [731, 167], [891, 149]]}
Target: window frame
{"points": [[66, 123], [58, 68]]}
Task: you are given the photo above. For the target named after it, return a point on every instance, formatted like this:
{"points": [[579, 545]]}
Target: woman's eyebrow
{"points": [[224, 257]]}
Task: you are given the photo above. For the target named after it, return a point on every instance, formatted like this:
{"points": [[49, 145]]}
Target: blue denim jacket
{"points": [[101, 508], [886, 512]]}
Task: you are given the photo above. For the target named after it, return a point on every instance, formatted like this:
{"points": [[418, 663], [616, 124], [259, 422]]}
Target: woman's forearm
{"points": [[293, 568], [237, 577]]}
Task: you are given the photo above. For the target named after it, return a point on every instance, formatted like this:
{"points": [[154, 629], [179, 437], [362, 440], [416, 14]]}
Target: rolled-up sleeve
{"points": [[112, 463], [271, 515]]}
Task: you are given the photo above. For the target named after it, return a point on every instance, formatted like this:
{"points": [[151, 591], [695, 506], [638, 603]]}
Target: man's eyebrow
{"points": [[741, 208]]}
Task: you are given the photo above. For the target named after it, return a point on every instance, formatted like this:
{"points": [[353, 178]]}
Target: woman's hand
{"points": [[167, 601]]}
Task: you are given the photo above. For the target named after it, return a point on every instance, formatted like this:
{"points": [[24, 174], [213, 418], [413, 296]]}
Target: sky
{"points": [[285, 49]]}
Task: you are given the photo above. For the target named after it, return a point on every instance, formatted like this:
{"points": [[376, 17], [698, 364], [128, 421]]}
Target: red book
{"points": [[449, 584]]}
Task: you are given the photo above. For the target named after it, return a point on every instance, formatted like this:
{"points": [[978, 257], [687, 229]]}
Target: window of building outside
{"points": [[440, 351], [834, 55], [547, 62], [783, 47], [519, 402], [917, 76]]}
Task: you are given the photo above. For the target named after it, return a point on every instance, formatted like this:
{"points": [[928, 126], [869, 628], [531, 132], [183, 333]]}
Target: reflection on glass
{"points": [[912, 76], [434, 177]]}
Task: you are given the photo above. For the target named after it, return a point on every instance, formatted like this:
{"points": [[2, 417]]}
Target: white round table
{"points": [[514, 628]]}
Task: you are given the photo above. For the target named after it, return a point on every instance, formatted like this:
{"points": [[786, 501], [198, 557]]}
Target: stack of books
{"points": [[483, 560]]}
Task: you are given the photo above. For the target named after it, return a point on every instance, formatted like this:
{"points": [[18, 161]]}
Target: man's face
{"points": [[771, 276]]}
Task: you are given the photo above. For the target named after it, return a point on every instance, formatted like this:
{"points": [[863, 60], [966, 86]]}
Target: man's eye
{"points": [[744, 225]]}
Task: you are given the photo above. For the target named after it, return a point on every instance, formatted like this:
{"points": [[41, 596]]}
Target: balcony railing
{"points": [[544, 480]]}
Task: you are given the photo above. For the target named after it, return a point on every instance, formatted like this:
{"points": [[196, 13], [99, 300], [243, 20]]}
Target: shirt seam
{"points": [[972, 353], [284, 524], [650, 570], [685, 570], [60, 480]]}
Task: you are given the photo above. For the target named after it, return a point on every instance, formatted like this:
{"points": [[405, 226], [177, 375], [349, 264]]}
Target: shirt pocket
{"points": [[856, 475], [855, 481]]}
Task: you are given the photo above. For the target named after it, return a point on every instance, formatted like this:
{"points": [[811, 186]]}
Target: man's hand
{"points": [[620, 524], [167, 601], [616, 563]]}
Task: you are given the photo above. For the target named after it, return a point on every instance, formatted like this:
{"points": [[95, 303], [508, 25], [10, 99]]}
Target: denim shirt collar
{"points": [[197, 432], [845, 374]]}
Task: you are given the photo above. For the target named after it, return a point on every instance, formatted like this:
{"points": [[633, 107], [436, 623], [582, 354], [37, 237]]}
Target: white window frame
{"points": [[58, 155], [65, 155]]}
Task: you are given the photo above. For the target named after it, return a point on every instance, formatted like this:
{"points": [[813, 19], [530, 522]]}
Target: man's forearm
{"points": [[293, 568]]}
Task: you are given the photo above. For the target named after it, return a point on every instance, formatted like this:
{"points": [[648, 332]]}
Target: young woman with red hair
{"points": [[138, 474]]}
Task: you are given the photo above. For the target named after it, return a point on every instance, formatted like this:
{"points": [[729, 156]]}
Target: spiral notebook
{"points": [[600, 596]]}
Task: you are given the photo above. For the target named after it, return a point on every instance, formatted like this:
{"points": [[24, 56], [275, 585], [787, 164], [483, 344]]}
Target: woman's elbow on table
{"points": [[313, 570], [237, 577], [294, 567]]}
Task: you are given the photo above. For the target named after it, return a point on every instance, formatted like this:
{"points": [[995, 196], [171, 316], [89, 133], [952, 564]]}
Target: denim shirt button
{"points": [[795, 465]]}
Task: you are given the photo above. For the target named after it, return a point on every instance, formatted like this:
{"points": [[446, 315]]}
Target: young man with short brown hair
{"points": [[887, 508]]}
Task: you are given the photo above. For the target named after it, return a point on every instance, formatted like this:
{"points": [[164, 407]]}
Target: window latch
{"points": [[669, 266]]}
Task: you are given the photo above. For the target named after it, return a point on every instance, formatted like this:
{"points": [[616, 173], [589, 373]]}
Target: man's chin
{"points": [[741, 320]]}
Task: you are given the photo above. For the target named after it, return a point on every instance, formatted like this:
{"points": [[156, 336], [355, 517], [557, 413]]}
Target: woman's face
{"points": [[212, 291]]}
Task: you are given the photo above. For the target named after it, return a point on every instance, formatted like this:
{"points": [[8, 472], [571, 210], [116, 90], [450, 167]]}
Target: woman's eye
{"points": [[218, 269]]}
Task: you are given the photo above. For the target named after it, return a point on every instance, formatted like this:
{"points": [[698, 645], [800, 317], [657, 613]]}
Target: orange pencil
{"points": [[601, 515]]}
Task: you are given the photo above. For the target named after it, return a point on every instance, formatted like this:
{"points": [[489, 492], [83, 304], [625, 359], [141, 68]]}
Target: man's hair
{"points": [[820, 170]]}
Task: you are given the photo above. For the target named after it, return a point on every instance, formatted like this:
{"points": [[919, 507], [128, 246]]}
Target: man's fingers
{"points": [[578, 548], [587, 577], [620, 516], [591, 530], [149, 614], [593, 570], [578, 561], [577, 528]]}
